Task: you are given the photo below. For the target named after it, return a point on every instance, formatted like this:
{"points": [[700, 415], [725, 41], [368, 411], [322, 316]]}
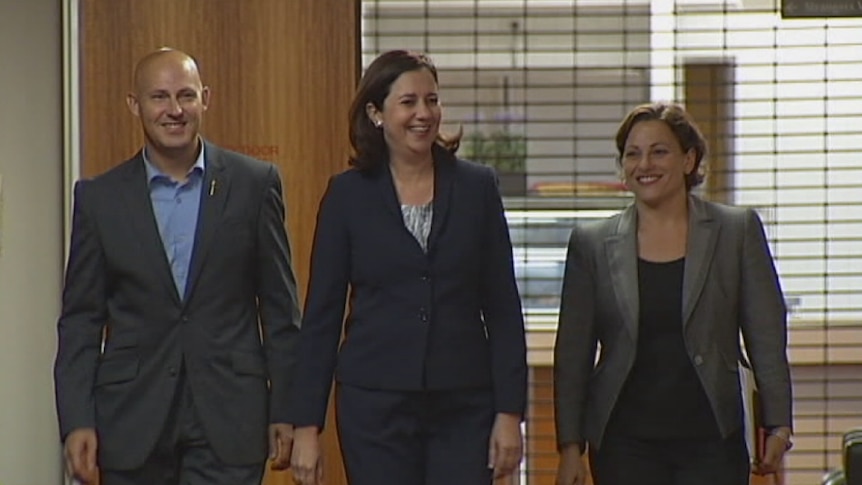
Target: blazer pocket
{"points": [[248, 363], [121, 342], [234, 226], [732, 364], [235, 221], [116, 370]]}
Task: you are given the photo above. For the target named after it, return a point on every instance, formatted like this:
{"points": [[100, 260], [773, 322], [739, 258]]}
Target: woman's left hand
{"points": [[773, 454], [505, 448]]}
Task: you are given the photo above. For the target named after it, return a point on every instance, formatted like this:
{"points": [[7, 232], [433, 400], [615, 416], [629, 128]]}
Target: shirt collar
{"points": [[153, 172]]}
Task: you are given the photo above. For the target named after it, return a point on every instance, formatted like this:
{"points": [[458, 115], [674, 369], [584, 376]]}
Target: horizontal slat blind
{"points": [[780, 100]]}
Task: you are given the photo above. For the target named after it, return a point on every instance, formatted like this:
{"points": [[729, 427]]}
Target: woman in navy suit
{"points": [[431, 374]]}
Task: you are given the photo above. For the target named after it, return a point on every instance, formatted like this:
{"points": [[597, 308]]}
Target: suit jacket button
{"points": [[173, 371], [185, 319], [698, 360]]}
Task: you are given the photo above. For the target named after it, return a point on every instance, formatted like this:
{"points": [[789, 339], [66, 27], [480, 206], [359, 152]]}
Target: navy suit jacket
{"points": [[119, 280], [448, 319]]}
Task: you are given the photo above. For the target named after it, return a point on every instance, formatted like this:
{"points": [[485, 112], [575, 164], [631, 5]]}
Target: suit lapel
{"points": [[386, 189], [444, 168], [444, 176], [700, 247], [136, 196], [214, 193], [621, 249]]}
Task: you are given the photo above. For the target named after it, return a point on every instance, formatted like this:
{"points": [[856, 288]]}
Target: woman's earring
{"points": [[378, 123]]}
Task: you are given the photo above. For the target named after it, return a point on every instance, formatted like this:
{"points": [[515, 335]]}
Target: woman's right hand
{"points": [[571, 470], [306, 461]]}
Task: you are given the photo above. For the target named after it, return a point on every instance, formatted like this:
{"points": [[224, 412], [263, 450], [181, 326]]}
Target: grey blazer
{"points": [[729, 285]]}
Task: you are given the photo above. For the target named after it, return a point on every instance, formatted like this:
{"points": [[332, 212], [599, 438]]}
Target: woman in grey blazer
{"points": [[664, 289]]}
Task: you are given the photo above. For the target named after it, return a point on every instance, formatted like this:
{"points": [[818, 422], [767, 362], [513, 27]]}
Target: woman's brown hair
{"points": [[369, 147], [680, 123]]}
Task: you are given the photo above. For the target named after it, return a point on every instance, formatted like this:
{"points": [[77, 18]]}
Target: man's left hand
{"points": [[280, 445]]}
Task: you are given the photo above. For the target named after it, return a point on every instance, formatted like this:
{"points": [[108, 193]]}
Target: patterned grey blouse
{"points": [[417, 218]]}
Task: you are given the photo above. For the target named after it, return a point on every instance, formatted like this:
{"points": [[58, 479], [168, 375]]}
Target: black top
{"points": [[662, 397]]}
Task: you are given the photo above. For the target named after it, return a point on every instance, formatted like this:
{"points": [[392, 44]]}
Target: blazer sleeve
{"points": [[277, 298], [324, 310], [501, 308], [83, 316], [763, 320], [575, 347]]}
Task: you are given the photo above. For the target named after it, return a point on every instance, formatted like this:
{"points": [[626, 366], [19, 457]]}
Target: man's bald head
{"points": [[170, 100], [160, 60]]}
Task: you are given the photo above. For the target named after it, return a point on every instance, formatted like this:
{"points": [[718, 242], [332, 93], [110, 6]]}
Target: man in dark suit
{"points": [[179, 321]]}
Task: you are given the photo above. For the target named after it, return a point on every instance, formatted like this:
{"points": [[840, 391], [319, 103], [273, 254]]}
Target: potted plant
{"points": [[506, 152]]}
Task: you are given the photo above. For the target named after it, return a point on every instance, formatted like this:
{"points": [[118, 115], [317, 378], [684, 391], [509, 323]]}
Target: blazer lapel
{"points": [[621, 250], [136, 195], [386, 189], [700, 247], [444, 168], [214, 193], [444, 176]]}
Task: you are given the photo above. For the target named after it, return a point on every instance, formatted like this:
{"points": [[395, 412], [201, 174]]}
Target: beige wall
{"points": [[31, 237]]}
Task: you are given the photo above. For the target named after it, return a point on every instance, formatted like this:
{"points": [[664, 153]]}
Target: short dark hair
{"points": [[680, 123], [369, 147]]}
